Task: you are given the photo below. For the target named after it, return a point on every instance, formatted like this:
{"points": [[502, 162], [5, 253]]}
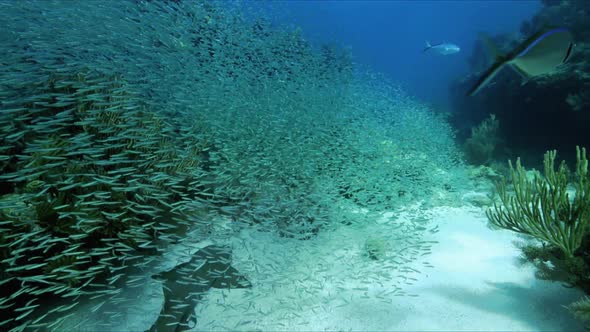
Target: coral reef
{"points": [[375, 248], [91, 186], [481, 145]]}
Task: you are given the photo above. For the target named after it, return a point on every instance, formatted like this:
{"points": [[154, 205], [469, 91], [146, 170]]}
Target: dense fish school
{"points": [[130, 129]]}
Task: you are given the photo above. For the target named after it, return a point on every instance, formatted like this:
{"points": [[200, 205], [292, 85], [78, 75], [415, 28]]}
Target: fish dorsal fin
{"points": [[491, 47]]}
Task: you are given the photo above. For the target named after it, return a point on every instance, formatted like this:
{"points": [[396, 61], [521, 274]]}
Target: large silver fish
{"points": [[540, 54], [185, 285]]}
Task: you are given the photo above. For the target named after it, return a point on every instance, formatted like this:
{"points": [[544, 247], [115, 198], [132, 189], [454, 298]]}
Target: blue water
{"points": [[389, 36], [172, 165]]}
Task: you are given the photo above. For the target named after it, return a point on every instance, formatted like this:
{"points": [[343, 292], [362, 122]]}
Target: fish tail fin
{"points": [[428, 46]]}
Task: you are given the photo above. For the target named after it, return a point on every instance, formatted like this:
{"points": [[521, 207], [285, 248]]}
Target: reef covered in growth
{"points": [[172, 117], [547, 112]]}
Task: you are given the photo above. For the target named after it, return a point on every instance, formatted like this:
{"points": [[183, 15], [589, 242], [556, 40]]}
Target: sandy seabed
{"points": [[476, 282]]}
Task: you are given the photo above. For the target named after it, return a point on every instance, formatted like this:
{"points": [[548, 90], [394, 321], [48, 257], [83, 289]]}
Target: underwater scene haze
{"points": [[184, 165]]}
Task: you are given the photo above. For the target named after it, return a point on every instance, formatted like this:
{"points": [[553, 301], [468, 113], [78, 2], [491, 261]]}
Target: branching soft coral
{"points": [[542, 207]]}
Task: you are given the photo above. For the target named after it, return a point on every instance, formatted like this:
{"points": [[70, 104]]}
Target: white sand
{"points": [[476, 283]]}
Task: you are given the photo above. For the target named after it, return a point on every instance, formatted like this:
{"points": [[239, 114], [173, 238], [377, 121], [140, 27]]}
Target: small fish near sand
{"points": [[187, 283], [538, 55], [442, 48]]}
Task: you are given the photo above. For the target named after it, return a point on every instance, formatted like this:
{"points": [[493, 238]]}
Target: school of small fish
{"points": [[126, 125]]}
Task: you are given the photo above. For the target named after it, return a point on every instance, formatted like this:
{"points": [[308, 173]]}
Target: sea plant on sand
{"points": [[556, 212]]}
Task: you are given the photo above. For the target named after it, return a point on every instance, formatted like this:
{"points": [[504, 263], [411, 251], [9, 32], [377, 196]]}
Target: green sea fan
{"points": [[543, 208], [482, 144], [581, 308]]}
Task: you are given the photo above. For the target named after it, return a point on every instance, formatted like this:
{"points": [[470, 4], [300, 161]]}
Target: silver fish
{"points": [[442, 48]]}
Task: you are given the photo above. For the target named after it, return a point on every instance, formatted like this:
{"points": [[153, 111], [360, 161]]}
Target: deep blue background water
{"points": [[389, 36]]}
